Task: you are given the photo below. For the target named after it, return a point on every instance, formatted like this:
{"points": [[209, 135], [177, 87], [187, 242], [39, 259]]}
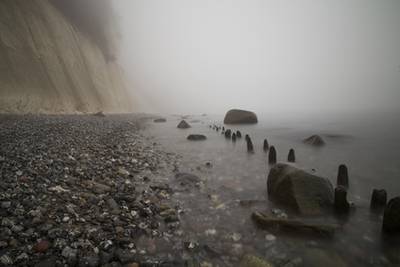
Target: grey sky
{"points": [[207, 56]]}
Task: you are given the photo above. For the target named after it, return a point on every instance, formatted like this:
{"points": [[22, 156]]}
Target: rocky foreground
{"points": [[78, 191]]}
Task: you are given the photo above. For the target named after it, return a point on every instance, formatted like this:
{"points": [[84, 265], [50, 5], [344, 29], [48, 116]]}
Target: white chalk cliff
{"points": [[47, 65]]}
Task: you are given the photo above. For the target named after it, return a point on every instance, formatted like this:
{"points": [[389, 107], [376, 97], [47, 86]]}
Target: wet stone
{"points": [[183, 125], [5, 204], [6, 260], [42, 246]]}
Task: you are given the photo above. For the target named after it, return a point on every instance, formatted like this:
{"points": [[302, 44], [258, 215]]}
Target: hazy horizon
{"points": [[186, 56]]}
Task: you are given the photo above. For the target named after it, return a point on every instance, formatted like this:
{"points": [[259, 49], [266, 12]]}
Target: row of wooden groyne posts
{"points": [[378, 202]]}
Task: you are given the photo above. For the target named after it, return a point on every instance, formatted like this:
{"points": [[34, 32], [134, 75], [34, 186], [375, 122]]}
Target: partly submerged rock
{"points": [[391, 216], [253, 261], [183, 125], [160, 120], [314, 140], [237, 116], [196, 137], [266, 222], [300, 191]]}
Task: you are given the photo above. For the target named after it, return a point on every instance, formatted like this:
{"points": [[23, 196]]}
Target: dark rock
{"points": [[171, 219], [196, 137], [341, 204], [5, 204], [228, 133], [160, 120], [272, 155], [250, 147], [267, 222], [238, 134], [42, 246], [183, 125], [291, 156], [304, 193], [314, 140], [265, 145], [113, 205], [237, 116], [378, 199], [343, 177], [391, 216], [234, 137]]}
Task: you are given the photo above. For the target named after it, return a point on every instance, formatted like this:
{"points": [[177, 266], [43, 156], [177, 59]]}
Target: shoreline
{"points": [[123, 190], [80, 190]]}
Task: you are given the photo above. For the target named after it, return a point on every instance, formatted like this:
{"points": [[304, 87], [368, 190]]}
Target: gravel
{"points": [[82, 190]]}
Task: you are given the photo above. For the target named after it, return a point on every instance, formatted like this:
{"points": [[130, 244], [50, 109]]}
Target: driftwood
{"points": [[266, 222]]}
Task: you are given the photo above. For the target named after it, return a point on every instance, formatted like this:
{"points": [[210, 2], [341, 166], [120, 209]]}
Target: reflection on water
{"points": [[217, 213]]}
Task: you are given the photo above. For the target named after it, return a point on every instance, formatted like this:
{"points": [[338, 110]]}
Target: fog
{"points": [[187, 56]]}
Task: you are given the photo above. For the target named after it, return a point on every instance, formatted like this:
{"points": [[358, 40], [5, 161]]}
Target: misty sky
{"points": [[206, 56]]}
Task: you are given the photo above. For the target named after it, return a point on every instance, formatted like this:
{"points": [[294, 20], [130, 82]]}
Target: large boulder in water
{"points": [[300, 191], [314, 140], [183, 125], [237, 116]]}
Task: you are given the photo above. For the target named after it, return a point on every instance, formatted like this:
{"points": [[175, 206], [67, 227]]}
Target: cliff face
{"points": [[47, 65]]}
